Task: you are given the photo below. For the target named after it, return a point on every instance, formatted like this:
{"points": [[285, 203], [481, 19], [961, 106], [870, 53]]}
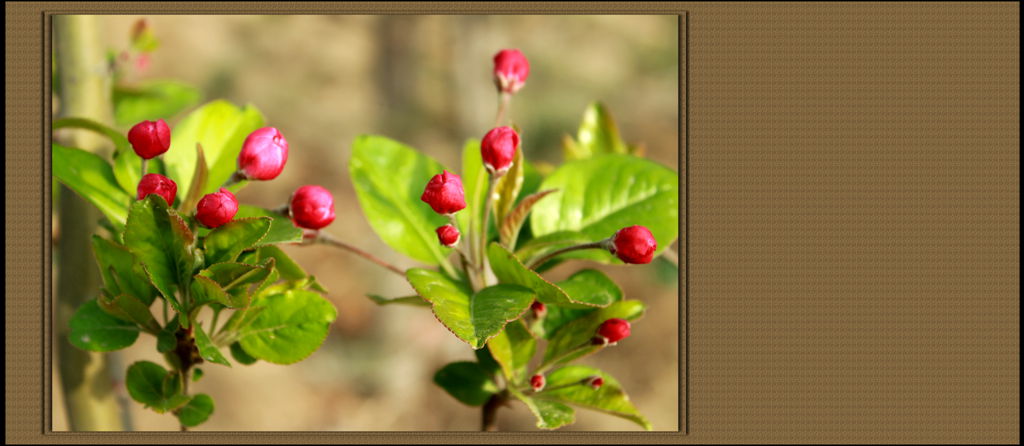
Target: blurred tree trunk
{"points": [[86, 378]]}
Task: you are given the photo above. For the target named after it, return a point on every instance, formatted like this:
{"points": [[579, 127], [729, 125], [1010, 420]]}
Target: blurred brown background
{"points": [[425, 81]]}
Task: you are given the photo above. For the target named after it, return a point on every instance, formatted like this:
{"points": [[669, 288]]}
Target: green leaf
{"points": [[150, 384], [467, 382], [127, 165], [289, 269], [472, 318], [569, 385], [162, 242], [121, 272], [92, 178], [197, 410], [596, 197], [474, 183], [389, 179], [597, 135], [225, 243], [240, 355], [220, 127], [508, 269], [512, 223], [587, 282], [197, 374], [167, 339], [195, 189], [233, 284], [94, 330], [550, 414], [512, 349], [282, 230], [508, 187], [415, 301], [152, 100], [291, 327], [572, 340], [130, 309], [486, 361], [207, 350], [205, 290]]}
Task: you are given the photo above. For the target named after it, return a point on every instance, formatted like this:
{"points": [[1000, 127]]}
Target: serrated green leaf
{"points": [[415, 301], [207, 350], [550, 414], [152, 100], [146, 383], [474, 183], [205, 291], [598, 196], [291, 327], [512, 349], [92, 178], [94, 330], [508, 269], [197, 411], [129, 308], [473, 318], [587, 282], [508, 187], [573, 339], [467, 382], [195, 189], [569, 385], [289, 269], [121, 272], [220, 127], [282, 230], [597, 135], [225, 243], [162, 242], [512, 222], [232, 284], [389, 178], [167, 339], [240, 355]]}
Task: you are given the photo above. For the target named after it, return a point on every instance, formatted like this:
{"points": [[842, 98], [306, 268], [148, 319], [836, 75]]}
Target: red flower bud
{"points": [[595, 382], [614, 330], [498, 149], [154, 183], [510, 70], [444, 193], [448, 235], [150, 139], [537, 382], [312, 207], [539, 309], [634, 244], [217, 208], [263, 155]]}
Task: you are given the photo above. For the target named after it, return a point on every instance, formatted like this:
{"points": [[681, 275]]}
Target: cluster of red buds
{"points": [[262, 158]]}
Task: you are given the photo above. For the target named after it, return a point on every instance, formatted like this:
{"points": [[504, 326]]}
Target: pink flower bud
{"points": [[634, 244], [614, 330], [154, 183], [444, 193], [312, 207], [263, 155], [537, 382], [217, 208], [150, 139], [539, 309], [448, 235], [595, 382], [498, 149], [510, 70]]}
